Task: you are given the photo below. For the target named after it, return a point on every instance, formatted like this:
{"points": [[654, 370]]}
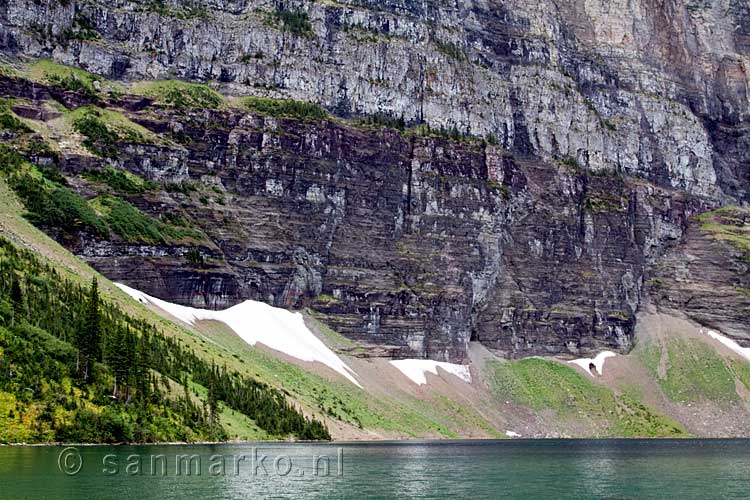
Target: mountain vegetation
{"points": [[76, 368]]}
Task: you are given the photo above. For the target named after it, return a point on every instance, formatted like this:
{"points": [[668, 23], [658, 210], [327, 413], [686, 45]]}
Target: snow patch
{"points": [[255, 322], [415, 369], [598, 362], [512, 434], [731, 344]]}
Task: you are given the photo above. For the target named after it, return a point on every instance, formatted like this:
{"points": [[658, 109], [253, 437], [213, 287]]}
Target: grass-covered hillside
{"points": [[76, 368], [545, 385]]}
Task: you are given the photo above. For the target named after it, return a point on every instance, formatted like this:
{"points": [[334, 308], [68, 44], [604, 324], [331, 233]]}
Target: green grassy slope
{"points": [[74, 367], [690, 371], [542, 384]]}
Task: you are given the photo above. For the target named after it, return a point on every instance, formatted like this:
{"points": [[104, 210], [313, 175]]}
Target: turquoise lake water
{"points": [[520, 469]]}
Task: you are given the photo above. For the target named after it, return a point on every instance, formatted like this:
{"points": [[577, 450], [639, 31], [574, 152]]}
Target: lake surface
{"points": [[520, 469]]}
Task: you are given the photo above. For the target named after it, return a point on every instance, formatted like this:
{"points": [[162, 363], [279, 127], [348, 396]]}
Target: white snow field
{"points": [[742, 351], [598, 362], [415, 369], [254, 322]]}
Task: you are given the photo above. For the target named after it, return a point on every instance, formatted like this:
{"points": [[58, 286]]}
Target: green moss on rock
{"points": [[284, 108], [181, 94], [730, 224]]}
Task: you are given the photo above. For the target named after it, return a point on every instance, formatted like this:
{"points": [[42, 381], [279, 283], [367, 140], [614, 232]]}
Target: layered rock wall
{"points": [[608, 127]]}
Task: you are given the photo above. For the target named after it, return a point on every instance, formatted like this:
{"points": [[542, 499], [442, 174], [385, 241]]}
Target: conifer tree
{"points": [[116, 358], [213, 400], [17, 298], [89, 335], [140, 368]]}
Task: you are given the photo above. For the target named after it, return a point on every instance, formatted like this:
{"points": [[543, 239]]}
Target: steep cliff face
{"points": [[608, 129], [706, 276], [655, 89]]}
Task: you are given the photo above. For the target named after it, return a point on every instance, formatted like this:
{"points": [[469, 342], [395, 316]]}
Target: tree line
{"points": [[74, 367]]}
